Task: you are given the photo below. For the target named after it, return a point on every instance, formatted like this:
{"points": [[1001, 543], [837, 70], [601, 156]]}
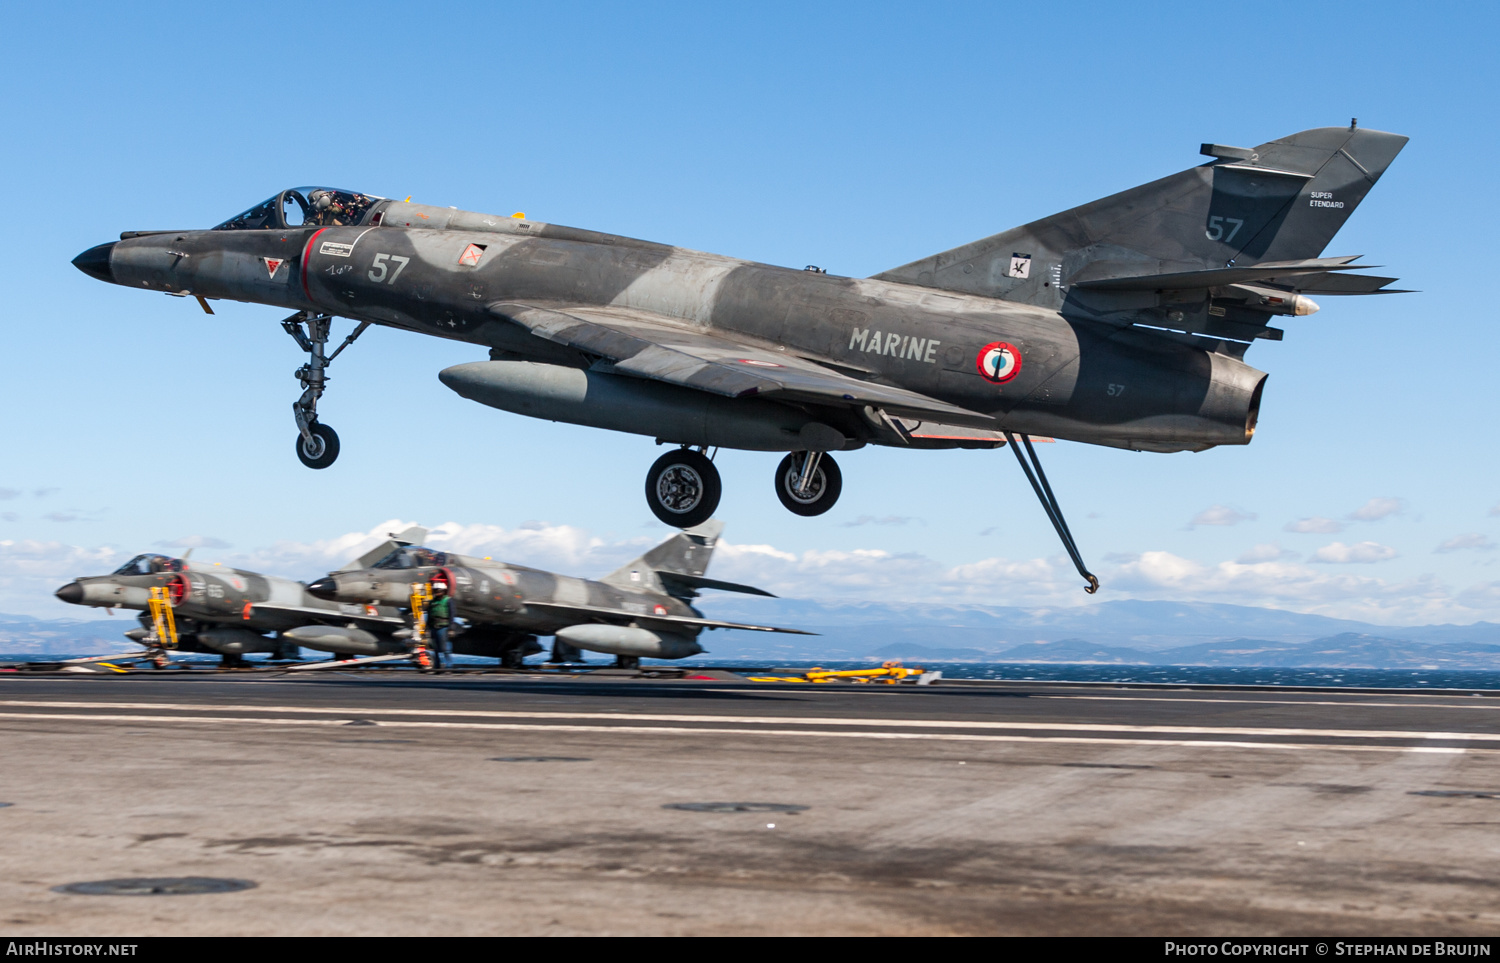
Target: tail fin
{"points": [[412, 536], [676, 566], [1282, 201]]}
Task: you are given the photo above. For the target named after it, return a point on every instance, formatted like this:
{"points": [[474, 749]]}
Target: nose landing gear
{"points": [[683, 488], [317, 444], [319, 447]]}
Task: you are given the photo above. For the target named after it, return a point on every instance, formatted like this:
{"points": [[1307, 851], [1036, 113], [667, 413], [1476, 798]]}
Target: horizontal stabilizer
{"points": [[684, 586], [1347, 284], [599, 614], [1219, 277]]}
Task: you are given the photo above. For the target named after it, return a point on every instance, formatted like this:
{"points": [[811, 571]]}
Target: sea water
{"points": [[1046, 672]]}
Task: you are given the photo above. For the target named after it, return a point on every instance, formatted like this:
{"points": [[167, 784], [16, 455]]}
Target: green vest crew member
{"points": [[439, 618]]}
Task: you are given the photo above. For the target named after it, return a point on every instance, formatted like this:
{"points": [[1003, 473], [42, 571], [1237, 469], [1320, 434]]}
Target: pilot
{"points": [[327, 209], [439, 618]]}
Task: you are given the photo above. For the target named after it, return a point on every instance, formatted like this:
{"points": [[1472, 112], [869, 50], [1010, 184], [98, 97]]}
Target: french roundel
{"points": [[999, 361]]}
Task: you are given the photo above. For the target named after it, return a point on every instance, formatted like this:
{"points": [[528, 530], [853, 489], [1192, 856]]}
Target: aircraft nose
{"points": [[95, 262], [326, 588], [72, 593]]}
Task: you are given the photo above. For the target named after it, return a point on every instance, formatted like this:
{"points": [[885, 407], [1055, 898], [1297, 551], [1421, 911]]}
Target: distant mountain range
{"points": [[1125, 633], [1120, 633], [22, 634], [1347, 650]]}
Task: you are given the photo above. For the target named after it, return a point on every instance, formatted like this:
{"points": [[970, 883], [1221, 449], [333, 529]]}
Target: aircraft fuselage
{"points": [[1075, 379]]}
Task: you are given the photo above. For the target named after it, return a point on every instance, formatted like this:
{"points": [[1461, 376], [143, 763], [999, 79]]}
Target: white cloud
{"points": [[1377, 508], [1471, 540], [30, 571], [1265, 575], [1221, 515], [1316, 525], [1265, 552], [1337, 553], [1281, 584], [882, 520], [561, 548]]}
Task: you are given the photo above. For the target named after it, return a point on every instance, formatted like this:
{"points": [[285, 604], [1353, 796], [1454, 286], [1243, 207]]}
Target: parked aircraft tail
{"points": [[676, 566], [412, 536], [1278, 205]]}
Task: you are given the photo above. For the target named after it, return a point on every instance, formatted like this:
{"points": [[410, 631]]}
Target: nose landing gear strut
{"points": [[317, 444]]}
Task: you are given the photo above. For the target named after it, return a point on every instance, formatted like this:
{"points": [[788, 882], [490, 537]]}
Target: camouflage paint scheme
{"points": [[641, 609], [235, 612], [1123, 322]]}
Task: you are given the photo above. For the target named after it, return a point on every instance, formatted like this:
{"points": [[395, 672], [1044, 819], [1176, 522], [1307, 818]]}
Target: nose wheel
{"points": [[683, 488], [319, 448], [808, 482]]}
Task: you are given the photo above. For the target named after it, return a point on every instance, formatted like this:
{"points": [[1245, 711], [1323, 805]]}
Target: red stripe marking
{"points": [[306, 254]]}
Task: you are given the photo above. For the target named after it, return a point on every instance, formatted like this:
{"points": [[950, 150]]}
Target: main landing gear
{"points": [[808, 482], [317, 444], [683, 486]]}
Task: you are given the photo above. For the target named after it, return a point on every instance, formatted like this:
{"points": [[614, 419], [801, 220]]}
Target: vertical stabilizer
{"points": [[412, 536], [1281, 201], [686, 553]]}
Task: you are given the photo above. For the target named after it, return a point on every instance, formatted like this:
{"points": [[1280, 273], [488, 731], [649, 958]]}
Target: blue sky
{"points": [[855, 136]]}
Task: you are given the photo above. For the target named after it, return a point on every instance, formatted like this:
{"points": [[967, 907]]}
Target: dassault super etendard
{"points": [[1123, 322]]}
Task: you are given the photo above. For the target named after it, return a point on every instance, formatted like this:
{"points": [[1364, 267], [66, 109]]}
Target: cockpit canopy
{"points": [[304, 206], [412, 556], [150, 565]]}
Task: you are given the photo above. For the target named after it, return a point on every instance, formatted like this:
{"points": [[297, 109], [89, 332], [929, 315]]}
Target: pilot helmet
{"points": [[321, 200]]}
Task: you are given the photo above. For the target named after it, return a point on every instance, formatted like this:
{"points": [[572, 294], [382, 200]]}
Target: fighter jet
{"points": [[234, 612], [642, 609], [1123, 322]]}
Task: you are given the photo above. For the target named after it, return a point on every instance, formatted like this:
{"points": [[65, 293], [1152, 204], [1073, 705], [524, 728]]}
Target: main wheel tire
{"points": [[683, 488], [323, 450], [824, 489]]}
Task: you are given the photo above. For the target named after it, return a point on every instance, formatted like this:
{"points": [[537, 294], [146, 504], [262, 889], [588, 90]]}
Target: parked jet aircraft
{"points": [[642, 609], [1123, 322], [234, 612]]}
